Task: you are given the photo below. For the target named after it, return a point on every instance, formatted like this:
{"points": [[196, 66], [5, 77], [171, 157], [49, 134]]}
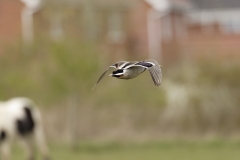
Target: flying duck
{"points": [[129, 70]]}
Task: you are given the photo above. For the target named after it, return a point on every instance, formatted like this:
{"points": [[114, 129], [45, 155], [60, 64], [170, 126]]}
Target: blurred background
{"points": [[53, 51]]}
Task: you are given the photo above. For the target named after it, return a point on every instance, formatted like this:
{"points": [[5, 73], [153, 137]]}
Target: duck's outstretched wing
{"points": [[154, 69], [103, 74]]}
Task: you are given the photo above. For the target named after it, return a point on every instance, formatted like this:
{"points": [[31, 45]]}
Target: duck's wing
{"points": [[103, 74], [154, 69]]}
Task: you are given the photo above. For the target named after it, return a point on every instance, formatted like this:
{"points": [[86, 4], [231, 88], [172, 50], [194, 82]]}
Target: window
{"points": [[231, 27]]}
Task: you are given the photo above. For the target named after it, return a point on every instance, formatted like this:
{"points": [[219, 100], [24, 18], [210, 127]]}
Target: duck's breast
{"points": [[132, 72]]}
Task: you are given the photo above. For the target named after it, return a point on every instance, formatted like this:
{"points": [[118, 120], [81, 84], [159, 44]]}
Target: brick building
{"points": [[10, 21], [168, 30], [172, 30], [16, 21]]}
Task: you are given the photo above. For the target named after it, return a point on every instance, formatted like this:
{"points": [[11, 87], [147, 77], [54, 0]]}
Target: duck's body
{"points": [[129, 70], [128, 73]]}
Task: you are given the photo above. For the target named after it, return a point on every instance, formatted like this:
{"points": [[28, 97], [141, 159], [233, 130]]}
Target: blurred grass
{"points": [[59, 77], [170, 150]]}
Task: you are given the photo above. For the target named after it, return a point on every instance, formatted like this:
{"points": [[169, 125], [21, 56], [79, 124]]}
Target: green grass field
{"points": [[215, 150]]}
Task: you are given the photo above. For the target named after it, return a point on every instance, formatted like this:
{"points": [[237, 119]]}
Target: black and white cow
{"points": [[20, 119]]}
